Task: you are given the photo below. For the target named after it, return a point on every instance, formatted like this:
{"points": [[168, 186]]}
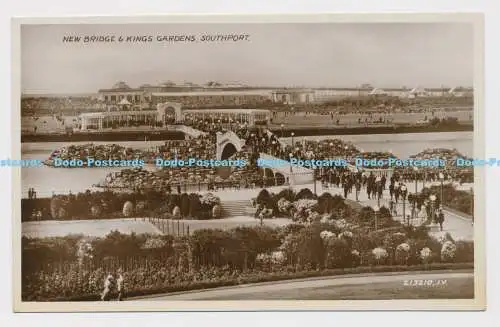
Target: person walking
{"points": [[109, 287], [120, 285], [440, 219], [392, 207], [380, 191], [358, 189]]}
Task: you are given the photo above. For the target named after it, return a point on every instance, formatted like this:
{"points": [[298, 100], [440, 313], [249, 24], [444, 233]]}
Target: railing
{"points": [[187, 130], [175, 228]]}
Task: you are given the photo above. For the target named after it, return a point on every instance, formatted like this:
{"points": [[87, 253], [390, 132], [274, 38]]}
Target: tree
{"points": [[184, 205]]}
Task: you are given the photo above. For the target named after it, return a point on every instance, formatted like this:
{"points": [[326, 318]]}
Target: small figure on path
{"points": [[109, 288], [440, 219], [120, 285]]}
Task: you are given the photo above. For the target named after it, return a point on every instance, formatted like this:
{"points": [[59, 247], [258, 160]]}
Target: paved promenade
{"points": [[390, 283], [459, 227]]}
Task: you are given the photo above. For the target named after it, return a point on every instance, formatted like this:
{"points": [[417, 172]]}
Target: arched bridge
{"points": [[228, 144], [280, 169]]}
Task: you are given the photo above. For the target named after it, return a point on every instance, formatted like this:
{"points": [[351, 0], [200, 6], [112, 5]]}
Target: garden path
{"points": [[459, 226]]}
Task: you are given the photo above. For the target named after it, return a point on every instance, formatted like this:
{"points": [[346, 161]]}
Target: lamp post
{"points": [[291, 171], [403, 193], [433, 199], [314, 176], [378, 183], [441, 178], [415, 169], [281, 134], [376, 209], [292, 139]]}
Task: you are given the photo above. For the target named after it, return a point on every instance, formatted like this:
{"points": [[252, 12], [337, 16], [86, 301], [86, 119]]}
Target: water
{"points": [[47, 181], [404, 145]]}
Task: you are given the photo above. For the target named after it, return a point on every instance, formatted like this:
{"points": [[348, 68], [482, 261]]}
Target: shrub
{"points": [[402, 253], [264, 198], [140, 207], [128, 209], [289, 229], [284, 206], [287, 194], [310, 250], [176, 213], [326, 236], [96, 211], [55, 204], [194, 206], [356, 258], [305, 193], [62, 213], [464, 252], [366, 242], [380, 255], [338, 254], [366, 215], [217, 211], [448, 251], [184, 205], [426, 255]]}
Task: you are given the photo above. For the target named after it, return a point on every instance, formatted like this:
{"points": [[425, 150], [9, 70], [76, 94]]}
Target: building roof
{"points": [[234, 111], [212, 93], [292, 90], [121, 85], [123, 90], [117, 113]]}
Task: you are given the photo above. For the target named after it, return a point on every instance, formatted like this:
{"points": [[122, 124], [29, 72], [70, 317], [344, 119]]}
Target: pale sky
{"points": [[311, 55]]}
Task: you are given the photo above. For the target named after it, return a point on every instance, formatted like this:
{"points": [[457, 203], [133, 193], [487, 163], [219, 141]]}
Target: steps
{"points": [[235, 208]]}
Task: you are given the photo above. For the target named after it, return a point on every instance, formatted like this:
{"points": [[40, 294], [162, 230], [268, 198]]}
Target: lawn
{"points": [[96, 228], [99, 228]]}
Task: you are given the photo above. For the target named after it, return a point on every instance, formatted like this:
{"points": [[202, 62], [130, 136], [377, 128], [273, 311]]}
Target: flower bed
{"points": [[211, 257], [107, 204], [258, 277]]}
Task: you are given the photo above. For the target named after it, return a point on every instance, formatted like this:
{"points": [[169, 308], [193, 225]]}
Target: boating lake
{"points": [[46, 180]]}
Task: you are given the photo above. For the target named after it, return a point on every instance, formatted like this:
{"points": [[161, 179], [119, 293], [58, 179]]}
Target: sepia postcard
{"points": [[248, 163]]}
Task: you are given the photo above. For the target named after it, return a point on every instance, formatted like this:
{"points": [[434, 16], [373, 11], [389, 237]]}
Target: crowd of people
{"points": [[59, 105], [100, 152]]}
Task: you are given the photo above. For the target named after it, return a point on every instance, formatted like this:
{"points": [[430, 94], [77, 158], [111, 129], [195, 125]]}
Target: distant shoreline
{"points": [[116, 136], [371, 130]]}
